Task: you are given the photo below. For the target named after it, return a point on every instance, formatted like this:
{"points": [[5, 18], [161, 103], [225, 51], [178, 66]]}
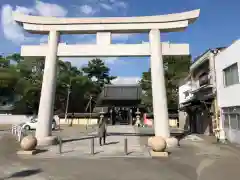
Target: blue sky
{"points": [[218, 25]]}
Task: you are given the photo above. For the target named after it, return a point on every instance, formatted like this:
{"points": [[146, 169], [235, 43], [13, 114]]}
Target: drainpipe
{"points": [[219, 131]]}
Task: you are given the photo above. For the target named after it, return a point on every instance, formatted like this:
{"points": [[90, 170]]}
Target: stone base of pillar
{"points": [[172, 142], [157, 143], [46, 141]]}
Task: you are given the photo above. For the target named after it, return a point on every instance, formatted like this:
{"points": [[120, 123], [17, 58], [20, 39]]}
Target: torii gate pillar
{"points": [[160, 108], [46, 105]]}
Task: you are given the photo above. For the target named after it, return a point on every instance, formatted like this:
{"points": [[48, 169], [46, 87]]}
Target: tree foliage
{"points": [[176, 68], [21, 81], [97, 69]]}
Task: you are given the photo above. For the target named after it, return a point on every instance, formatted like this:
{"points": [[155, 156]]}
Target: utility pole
{"points": [[90, 110], [67, 103]]}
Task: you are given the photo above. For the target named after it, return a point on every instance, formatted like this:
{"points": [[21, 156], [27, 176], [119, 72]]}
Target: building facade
{"points": [[228, 88], [120, 103], [197, 95]]}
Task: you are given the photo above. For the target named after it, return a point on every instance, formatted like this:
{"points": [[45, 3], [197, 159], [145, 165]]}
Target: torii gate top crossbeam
{"points": [[166, 23]]}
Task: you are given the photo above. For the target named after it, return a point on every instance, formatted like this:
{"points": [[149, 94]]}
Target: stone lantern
{"points": [[102, 114], [138, 113]]}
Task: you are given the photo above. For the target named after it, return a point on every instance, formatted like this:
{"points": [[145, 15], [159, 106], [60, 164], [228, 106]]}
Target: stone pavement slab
{"points": [[80, 147]]}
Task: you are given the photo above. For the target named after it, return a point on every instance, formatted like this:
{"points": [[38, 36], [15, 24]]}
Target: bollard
{"points": [[59, 145], [19, 133], [92, 146], [14, 130], [19, 136], [125, 146]]}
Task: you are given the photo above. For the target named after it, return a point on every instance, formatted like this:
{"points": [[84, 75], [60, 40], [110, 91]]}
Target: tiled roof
{"points": [[123, 93]]}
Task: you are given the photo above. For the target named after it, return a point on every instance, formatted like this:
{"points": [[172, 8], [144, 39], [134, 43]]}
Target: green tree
{"points": [[71, 78], [176, 68], [15, 57], [96, 68], [28, 86], [21, 81], [146, 86]]}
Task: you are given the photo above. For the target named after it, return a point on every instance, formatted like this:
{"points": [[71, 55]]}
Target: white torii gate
{"points": [[103, 28]]}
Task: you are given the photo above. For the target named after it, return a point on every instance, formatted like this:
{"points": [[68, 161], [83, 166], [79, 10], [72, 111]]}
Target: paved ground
{"points": [[196, 159], [80, 147]]}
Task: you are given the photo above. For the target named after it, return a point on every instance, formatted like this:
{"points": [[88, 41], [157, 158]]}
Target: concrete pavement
{"points": [[194, 160]]}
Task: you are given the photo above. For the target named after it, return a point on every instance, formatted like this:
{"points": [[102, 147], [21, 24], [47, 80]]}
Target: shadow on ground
{"points": [[179, 135], [24, 173], [78, 139], [109, 143]]}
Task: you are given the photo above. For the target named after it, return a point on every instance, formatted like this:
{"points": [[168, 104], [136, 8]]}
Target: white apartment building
{"points": [[227, 66]]}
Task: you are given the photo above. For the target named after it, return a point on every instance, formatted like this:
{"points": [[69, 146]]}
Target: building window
{"points": [[186, 94], [238, 119], [231, 117], [233, 121], [231, 75], [226, 121]]}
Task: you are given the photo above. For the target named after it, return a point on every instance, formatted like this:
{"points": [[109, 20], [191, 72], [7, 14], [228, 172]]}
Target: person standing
{"points": [[102, 129]]}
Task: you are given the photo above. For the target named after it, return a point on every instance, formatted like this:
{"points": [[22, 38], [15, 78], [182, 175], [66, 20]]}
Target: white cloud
{"points": [[121, 4], [11, 30], [47, 9], [113, 5], [24, 10], [106, 6], [87, 10], [14, 32], [126, 80], [91, 7]]}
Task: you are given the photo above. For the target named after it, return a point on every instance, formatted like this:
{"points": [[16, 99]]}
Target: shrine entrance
{"points": [[119, 103], [122, 115], [103, 28]]}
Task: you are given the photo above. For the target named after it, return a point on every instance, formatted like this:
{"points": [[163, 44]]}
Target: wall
{"points": [[183, 120], [181, 92], [227, 96], [13, 119], [79, 121], [232, 135], [182, 98], [16, 119]]}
